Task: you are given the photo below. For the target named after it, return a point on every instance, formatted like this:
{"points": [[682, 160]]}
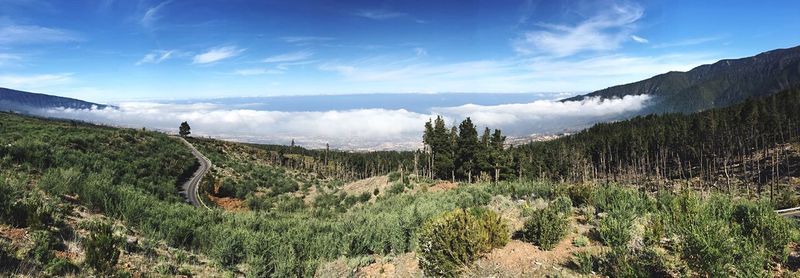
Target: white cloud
{"points": [[217, 54], [155, 57], [305, 39], [639, 39], [547, 115], [289, 57], [152, 14], [604, 31], [34, 81], [256, 71], [379, 14], [542, 74], [31, 34], [352, 129], [688, 42], [420, 51], [7, 58]]}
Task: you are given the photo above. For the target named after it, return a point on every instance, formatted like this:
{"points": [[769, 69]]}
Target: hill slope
{"points": [[716, 85], [20, 101]]}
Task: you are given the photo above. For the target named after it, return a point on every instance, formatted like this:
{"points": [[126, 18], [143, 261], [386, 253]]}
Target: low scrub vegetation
{"points": [[453, 240], [545, 228]]}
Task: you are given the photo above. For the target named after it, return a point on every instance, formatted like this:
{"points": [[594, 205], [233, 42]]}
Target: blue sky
{"points": [[106, 50]]}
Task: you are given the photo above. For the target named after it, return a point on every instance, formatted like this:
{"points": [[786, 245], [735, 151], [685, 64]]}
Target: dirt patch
{"points": [[228, 203], [442, 186], [14, 234], [71, 256], [367, 185], [522, 259], [405, 265]]}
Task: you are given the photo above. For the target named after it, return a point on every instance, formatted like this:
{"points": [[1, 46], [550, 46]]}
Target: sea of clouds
{"points": [[355, 129]]}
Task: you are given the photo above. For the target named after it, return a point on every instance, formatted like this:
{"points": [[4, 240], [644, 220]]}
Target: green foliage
{"points": [[580, 241], [580, 194], [7, 259], [615, 229], [453, 240], [61, 267], [764, 227], [101, 246], [545, 228], [43, 245], [562, 205], [583, 262]]}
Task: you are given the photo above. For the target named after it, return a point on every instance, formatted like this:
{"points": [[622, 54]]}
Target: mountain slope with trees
{"points": [[26, 102], [720, 84]]}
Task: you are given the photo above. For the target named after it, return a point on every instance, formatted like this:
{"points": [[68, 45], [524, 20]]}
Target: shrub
{"points": [[583, 262], [562, 205], [397, 188], [615, 230], [102, 246], [580, 241], [455, 239], [764, 227], [61, 267], [580, 194], [43, 245], [7, 259], [545, 228]]}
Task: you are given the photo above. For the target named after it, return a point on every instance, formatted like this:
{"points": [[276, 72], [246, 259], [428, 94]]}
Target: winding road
{"points": [[190, 187]]}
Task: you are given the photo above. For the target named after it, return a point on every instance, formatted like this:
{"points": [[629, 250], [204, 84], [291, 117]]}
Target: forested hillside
{"points": [[750, 147], [13, 100], [721, 84]]}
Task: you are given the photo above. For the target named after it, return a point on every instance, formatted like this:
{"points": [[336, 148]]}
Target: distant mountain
{"points": [[716, 85], [26, 102]]}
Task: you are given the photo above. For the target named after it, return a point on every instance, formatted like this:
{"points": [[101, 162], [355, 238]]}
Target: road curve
{"points": [[190, 186]]}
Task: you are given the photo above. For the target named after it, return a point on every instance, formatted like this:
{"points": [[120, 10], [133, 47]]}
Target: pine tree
{"points": [[467, 146], [184, 130]]}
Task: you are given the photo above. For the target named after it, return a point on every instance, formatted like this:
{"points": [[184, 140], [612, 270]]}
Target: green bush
{"points": [[764, 227], [455, 239], [7, 259], [615, 229], [562, 205], [580, 241], [61, 267], [583, 262], [43, 244], [101, 246], [545, 228], [580, 194]]}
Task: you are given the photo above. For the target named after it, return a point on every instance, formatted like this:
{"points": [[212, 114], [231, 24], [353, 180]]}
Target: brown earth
{"points": [[228, 203]]}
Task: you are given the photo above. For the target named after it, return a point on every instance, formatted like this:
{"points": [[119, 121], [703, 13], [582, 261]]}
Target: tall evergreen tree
{"points": [[467, 146]]}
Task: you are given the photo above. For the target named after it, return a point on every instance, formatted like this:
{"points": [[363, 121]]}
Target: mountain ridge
{"points": [[723, 83], [22, 101]]}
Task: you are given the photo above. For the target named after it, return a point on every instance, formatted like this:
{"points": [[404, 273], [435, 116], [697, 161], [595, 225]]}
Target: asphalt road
{"points": [[190, 186]]}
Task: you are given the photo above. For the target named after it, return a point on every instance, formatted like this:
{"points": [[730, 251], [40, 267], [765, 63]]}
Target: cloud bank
{"points": [[354, 129]]}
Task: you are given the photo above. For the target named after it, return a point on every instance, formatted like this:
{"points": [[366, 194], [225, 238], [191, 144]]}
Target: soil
{"points": [[228, 203], [405, 265]]}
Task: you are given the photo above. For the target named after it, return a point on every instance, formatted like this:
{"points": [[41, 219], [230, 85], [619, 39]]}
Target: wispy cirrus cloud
{"points": [[155, 57], [6, 58], [34, 81], [688, 42], [606, 30], [639, 39], [544, 74], [153, 14], [34, 34], [217, 54], [256, 71], [305, 39], [289, 57], [379, 14]]}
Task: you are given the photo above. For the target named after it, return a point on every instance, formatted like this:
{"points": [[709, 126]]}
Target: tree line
{"points": [[744, 146]]}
